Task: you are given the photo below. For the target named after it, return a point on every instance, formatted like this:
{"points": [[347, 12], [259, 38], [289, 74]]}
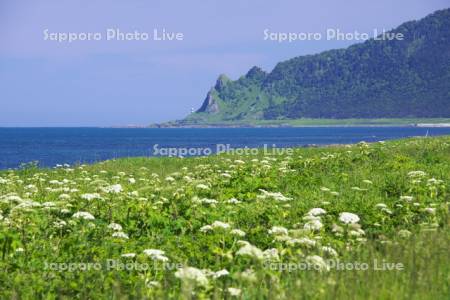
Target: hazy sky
{"points": [[102, 83]]}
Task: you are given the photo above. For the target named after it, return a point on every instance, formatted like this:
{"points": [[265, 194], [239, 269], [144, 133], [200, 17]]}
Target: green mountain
{"points": [[407, 78]]}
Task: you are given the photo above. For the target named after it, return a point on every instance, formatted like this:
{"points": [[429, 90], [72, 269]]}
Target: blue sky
{"points": [[105, 83]]}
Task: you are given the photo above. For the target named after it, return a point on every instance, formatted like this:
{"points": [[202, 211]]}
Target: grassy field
{"points": [[366, 221]]}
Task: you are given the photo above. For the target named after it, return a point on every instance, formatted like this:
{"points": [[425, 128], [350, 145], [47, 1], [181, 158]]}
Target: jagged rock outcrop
{"points": [[209, 104]]}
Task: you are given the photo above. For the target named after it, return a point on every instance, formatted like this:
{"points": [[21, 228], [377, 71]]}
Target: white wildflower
{"points": [[302, 241], [113, 189], [348, 218], [357, 232], [202, 186], [90, 197], [220, 225], [330, 251], [250, 250], [128, 255], [27, 204], [316, 212], [156, 254], [430, 210], [233, 201], [318, 263], [152, 283], [192, 275], [313, 225], [120, 234], [406, 198], [209, 201], [234, 292], [278, 230], [415, 174], [64, 197], [83, 215], [248, 275], [273, 195], [169, 179], [238, 232], [206, 228], [281, 238], [115, 227], [387, 210], [271, 254], [220, 273], [59, 223]]}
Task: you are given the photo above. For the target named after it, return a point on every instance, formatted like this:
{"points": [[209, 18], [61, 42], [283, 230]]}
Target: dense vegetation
{"points": [[375, 79], [262, 225]]}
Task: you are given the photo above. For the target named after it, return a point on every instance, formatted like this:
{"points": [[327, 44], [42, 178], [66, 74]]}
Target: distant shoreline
{"points": [[407, 122], [291, 126], [295, 123]]}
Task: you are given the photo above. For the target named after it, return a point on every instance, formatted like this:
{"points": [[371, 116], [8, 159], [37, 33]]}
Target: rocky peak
{"points": [[221, 82], [210, 104], [256, 73]]}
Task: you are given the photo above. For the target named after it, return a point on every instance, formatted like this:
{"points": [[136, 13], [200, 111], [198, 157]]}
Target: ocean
{"points": [[52, 146]]}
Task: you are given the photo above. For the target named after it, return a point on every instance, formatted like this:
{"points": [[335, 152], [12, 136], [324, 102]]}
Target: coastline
{"points": [[445, 123]]}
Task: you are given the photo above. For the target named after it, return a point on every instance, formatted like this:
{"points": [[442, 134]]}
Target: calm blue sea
{"points": [[51, 146]]}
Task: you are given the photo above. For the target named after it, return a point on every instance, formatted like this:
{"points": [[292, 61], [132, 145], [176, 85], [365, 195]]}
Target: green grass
{"points": [[168, 203]]}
